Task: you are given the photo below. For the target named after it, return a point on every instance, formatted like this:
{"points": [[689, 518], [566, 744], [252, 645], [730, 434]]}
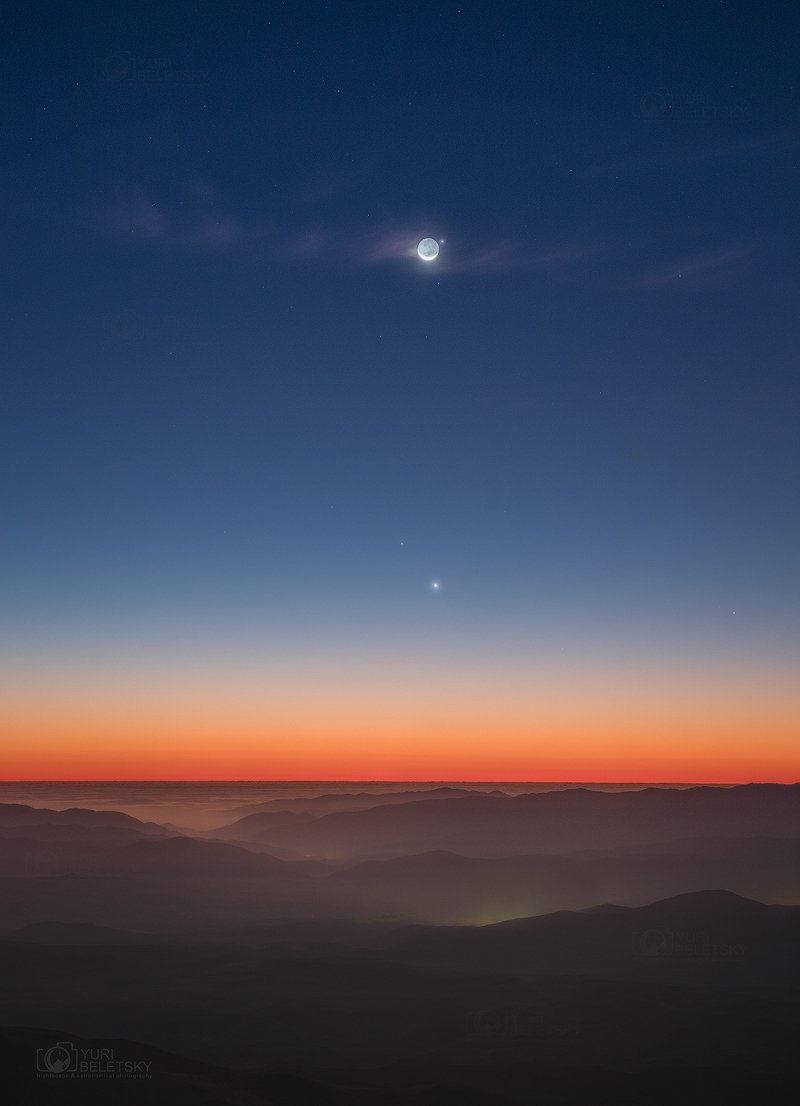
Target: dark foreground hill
{"points": [[706, 979], [110, 1071], [76, 933], [127, 1073], [700, 937]]}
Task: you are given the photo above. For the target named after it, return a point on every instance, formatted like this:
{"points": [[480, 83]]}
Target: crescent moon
{"points": [[428, 249]]}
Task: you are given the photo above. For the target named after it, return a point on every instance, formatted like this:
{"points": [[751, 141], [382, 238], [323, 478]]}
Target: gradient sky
{"points": [[244, 429]]}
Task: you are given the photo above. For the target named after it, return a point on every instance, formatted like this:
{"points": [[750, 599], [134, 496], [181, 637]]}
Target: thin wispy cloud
{"points": [[390, 245], [366, 248], [508, 255], [707, 269], [135, 215], [352, 248], [220, 233]]}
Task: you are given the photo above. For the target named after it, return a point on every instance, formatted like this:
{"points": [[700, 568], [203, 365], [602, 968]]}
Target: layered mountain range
{"points": [[457, 948]]}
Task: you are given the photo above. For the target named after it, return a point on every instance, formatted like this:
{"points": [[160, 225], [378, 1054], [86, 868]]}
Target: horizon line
{"points": [[438, 783]]}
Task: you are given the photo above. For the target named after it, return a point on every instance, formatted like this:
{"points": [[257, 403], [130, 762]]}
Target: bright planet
{"points": [[428, 249]]}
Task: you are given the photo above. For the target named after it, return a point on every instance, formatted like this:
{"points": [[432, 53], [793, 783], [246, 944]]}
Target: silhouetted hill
{"points": [[261, 1007], [700, 937], [147, 1075], [166, 1079], [177, 883], [119, 876], [76, 834], [326, 804], [444, 887], [529, 1085], [53, 849], [187, 856], [258, 825], [76, 933], [40, 842], [706, 979], [761, 848], [132, 932], [48, 849], [15, 814], [555, 821]]}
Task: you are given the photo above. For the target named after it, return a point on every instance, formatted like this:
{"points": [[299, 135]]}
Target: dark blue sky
{"points": [[230, 391]]}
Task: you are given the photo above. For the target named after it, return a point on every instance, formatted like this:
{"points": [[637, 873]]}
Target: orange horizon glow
{"points": [[621, 750], [582, 723]]}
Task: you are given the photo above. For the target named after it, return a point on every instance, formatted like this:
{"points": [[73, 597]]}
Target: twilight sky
{"points": [[245, 429]]}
